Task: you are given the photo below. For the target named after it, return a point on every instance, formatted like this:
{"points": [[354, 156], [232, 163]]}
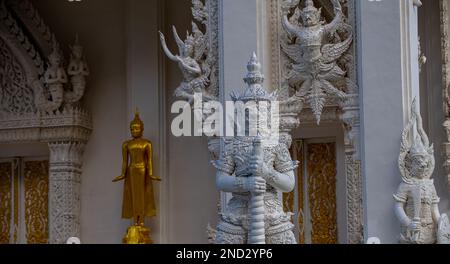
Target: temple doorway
{"points": [[313, 202], [24, 189]]}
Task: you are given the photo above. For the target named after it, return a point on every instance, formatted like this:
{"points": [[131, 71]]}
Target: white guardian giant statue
{"points": [[255, 169], [417, 202]]}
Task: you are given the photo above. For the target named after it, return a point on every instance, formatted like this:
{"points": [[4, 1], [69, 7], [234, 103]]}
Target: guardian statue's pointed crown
{"points": [[254, 80]]}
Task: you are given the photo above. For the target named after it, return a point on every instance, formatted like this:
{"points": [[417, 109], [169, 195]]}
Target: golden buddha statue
{"points": [[137, 172]]}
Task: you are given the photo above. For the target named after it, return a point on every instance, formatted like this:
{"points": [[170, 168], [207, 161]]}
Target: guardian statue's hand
{"points": [[255, 185], [257, 167]]}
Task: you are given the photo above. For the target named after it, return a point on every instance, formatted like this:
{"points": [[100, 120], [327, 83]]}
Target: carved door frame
{"points": [[346, 114], [304, 230]]}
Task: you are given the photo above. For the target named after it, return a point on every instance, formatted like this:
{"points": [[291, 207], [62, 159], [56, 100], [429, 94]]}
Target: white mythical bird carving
{"points": [[315, 73]]}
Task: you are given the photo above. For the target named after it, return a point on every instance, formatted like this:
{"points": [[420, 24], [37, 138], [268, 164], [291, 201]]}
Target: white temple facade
{"points": [[351, 76]]}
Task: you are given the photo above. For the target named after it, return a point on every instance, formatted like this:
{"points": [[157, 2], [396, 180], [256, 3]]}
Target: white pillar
{"points": [[66, 161], [388, 68]]}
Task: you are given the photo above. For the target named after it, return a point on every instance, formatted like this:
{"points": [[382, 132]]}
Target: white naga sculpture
{"points": [[417, 203], [316, 52], [255, 170], [55, 80]]}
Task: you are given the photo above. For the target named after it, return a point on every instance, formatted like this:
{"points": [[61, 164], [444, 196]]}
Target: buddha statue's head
{"points": [[137, 126], [420, 162], [310, 14]]}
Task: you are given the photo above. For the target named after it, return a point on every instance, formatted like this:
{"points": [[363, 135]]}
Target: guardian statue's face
{"points": [[420, 167], [311, 18]]}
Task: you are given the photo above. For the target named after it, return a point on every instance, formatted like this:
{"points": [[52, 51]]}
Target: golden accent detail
{"points": [[5, 201], [322, 192], [137, 174], [138, 234], [36, 184], [16, 202], [297, 153], [288, 198], [300, 183]]}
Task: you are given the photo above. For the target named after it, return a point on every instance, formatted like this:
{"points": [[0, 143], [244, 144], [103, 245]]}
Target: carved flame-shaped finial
{"points": [[254, 75], [254, 79]]}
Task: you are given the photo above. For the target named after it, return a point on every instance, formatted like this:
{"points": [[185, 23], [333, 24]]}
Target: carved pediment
{"points": [[39, 97], [16, 95]]}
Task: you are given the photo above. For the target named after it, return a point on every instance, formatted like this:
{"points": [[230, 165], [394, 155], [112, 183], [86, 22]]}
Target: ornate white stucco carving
{"points": [[15, 96], [66, 159], [15, 37], [314, 92], [37, 106], [54, 91], [316, 54], [32, 20], [198, 59], [198, 54], [445, 33], [417, 202], [255, 170]]}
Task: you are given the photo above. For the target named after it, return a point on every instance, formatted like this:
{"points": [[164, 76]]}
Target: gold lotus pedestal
{"points": [[138, 235]]}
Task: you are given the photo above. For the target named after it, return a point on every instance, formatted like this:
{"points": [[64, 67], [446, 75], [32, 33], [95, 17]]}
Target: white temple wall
{"points": [[382, 115], [387, 64]]}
